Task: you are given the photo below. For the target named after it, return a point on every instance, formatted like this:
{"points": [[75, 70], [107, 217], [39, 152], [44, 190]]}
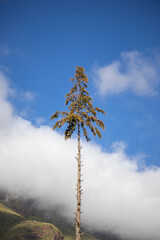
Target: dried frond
{"points": [[55, 115], [99, 110], [80, 108]]}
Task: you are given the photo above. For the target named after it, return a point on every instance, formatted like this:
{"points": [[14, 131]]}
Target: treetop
{"points": [[81, 112]]}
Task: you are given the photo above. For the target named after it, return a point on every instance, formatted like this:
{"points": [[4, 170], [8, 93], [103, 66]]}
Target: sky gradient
{"points": [[42, 42]]}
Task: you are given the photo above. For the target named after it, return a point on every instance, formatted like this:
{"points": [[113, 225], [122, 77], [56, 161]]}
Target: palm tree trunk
{"points": [[79, 191]]}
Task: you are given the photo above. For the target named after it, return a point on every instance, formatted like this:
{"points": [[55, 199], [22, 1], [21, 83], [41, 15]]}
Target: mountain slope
{"points": [[13, 226], [8, 219], [33, 230], [26, 221]]}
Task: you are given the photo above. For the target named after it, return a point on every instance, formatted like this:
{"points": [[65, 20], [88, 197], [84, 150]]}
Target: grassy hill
{"points": [[13, 226], [22, 220], [8, 219], [33, 230]]}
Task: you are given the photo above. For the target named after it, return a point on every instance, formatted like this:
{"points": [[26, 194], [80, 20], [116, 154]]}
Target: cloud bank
{"points": [[38, 162], [135, 72]]}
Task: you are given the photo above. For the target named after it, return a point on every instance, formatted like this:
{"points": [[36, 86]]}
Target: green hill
{"points": [[13, 226], [8, 219], [22, 220], [33, 230]]}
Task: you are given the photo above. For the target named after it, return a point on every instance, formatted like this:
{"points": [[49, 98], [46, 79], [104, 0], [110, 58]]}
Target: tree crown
{"points": [[80, 109]]}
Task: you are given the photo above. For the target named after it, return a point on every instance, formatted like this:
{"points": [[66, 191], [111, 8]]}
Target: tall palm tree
{"points": [[80, 115]]}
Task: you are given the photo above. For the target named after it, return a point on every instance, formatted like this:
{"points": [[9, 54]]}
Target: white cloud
{"points": [[135, 72], [38, 162], [5, 107], [29, 95], [40, 121]]}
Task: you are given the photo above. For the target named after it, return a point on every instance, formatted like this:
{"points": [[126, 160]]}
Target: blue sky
{"points": [[118, 44]]}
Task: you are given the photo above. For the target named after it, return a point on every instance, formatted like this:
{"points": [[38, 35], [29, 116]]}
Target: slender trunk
{"points": [[79, 191]]}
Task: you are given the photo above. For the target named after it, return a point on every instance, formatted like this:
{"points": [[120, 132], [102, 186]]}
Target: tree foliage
{"points": [[80, 109]]}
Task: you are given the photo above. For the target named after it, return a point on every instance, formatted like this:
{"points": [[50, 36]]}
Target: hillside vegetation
{"points": [[33, 230], [22, 220], [8, 219], [13, 226]]}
